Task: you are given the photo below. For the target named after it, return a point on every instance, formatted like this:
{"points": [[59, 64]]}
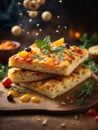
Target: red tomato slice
{"points": [[92, 112], [96, 119], [6, 82]]}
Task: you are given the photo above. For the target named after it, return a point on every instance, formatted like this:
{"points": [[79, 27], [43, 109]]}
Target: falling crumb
{"points": [[57, 31], [65, 27], [76, 117], [19, 3], [37, 25], [23, 30], [59, 26], [20, 14], [45, 121], [20, 24], [60, 1], [30, 20], [37, 34], [63, 103], [28, 33], [40, 30], [63, 125], [58, 17]]}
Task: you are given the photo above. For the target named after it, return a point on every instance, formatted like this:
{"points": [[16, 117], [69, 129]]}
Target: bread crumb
{"points": [[76, 117], [45, 121], [63, 125]]}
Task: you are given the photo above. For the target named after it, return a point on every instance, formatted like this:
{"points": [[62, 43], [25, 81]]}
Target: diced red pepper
{"points": [[56, 62], [29, 60], [6, 82], [80, 51]]}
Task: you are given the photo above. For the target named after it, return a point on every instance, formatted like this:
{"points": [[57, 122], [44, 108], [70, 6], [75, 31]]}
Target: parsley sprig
{"points": [[18, 90], [3, 71], [88, 41], [1, 91], [83, 92], [86, 90]]}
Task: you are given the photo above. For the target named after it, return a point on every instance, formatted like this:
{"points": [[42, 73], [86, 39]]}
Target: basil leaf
{"points": [[45, 44], [39, 43], [58, 50]]}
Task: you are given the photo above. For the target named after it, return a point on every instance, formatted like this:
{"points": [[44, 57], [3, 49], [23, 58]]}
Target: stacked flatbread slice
{"points": [[50, 68]]}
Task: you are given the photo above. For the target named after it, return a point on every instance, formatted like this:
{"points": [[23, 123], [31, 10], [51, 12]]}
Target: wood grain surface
{"points": [[64, 104]]}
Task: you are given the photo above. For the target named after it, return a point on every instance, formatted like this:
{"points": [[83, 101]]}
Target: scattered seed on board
{"points": [[45, 121]]}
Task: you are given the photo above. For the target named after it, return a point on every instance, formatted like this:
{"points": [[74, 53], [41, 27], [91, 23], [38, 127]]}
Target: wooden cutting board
{"points": [[64, 104]]}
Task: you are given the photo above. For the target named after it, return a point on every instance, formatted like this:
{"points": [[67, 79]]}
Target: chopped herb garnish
{"points": [[3, 71], [88, 41], [83, 92], [38, 57], [18, 90], [58, 50], [1, 92], [92, 65]]}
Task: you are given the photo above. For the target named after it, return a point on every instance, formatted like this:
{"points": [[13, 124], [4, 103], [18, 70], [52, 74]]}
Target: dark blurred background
{"points": [[78, 15]]}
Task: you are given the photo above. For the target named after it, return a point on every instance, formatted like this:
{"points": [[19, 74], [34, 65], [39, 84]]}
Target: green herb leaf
{"points": [[44, 44], [84, 91], [38, 57], [88, 41], [3, 71], [58, 50], [18, 90], [1, 92], [92, 65]]}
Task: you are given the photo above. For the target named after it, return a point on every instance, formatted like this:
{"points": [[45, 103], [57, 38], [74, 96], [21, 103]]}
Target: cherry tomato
{"points": [[96, 119], [92, 112], [6, 82]]}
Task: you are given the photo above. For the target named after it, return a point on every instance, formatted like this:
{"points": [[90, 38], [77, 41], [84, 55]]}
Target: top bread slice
{"points": [[57, 59]]}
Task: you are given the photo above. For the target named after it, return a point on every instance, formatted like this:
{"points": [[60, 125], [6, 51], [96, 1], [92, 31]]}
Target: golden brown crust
{"points": [[51, 63], [58, 86], [19, 75]]}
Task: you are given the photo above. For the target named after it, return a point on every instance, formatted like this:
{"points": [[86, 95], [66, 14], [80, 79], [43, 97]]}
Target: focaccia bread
{"points": [[49, 58], [58, 86], [19, 75]]}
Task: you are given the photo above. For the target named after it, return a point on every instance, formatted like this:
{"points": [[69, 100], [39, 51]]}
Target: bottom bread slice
{"points": [[58, 86]]}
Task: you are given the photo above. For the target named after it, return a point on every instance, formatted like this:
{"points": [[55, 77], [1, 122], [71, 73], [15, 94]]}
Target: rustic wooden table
{"points": [[43, 121]]}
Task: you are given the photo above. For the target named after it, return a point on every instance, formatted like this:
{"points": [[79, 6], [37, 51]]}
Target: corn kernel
{"points": [[14, 93], [35, 99], [25, 98]]}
